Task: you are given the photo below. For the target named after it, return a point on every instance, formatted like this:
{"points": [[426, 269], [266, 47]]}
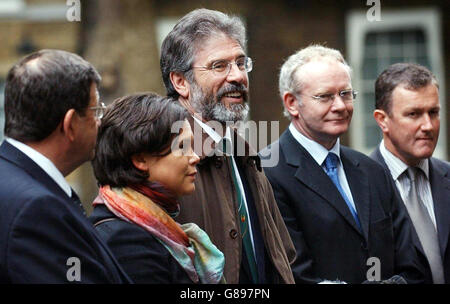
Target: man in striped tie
{"points": [[407, 111], [340, 206]]}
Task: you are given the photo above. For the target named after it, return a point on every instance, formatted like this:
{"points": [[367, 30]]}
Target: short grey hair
{"points": [[179, 47], [288, 82]]}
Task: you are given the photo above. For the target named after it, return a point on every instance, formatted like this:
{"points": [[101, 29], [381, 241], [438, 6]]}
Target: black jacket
{"points": [[440, 189], [329, 245], [140, 254], [41, 228]]}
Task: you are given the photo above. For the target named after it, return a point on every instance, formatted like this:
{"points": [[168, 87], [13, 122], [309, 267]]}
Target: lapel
{"points": [[376, 155], [440, 189], [15, 156], [358, 182], [314, 177]]}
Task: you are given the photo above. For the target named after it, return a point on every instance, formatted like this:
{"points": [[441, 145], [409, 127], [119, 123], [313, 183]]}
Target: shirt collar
{"points": [[397, 166], [210, 131], [213, 134], [44, 163], [316, 150]]}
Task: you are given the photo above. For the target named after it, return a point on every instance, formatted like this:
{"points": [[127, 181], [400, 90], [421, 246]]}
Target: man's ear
{"points": [[70, 124], [140, 162], [180, 84], [381, 117], [291, 103]]}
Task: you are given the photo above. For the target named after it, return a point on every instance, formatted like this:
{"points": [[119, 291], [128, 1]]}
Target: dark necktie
{"points": [[331, 168], [424, 226]]}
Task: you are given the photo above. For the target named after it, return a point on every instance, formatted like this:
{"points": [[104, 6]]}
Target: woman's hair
{"points": [[133, 124]]}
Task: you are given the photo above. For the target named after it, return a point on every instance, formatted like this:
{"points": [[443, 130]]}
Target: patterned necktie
{"points": [[331, 169], [424, 226], [243, 221]]}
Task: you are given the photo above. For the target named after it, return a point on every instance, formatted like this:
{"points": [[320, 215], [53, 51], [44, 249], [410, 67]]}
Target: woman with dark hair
{"points": [[143, 168]]}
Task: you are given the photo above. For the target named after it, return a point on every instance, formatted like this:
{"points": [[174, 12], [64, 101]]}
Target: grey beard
{"points": [[216, 110], [219, 112]]}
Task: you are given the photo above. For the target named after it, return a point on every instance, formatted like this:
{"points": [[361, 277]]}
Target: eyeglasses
{"points": [[223, 67], [99, 110], [346, 96]]}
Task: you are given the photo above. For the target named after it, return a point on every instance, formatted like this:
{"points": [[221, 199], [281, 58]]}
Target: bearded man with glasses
{"points": [[344, 217], [204, 66]]}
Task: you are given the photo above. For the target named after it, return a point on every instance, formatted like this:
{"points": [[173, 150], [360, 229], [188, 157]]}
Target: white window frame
{"points": [[45, 12], [163, 26], [357, 26]]}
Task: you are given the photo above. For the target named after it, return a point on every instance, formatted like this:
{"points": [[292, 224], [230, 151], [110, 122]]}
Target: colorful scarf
{"points": [[160, 195], [188, 244]]}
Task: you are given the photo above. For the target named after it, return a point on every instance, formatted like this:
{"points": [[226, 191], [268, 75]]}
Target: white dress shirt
{"points": [[398, 167], [319, 153], [44, 163], [217, 138]]}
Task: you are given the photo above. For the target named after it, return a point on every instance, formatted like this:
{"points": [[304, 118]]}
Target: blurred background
{"points": [[122, 40]]}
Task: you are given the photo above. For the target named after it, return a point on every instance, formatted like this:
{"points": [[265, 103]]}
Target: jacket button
{"points": [[233, 233], [218, 163]]}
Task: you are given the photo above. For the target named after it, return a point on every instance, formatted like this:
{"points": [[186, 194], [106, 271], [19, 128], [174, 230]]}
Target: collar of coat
{"points": [[212, 150]]}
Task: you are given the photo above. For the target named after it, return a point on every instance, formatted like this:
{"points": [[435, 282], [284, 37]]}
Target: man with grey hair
{"points": [[340, 207], [407, 112], [204, 66]]}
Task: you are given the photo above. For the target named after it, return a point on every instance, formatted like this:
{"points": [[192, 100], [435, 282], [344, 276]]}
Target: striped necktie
{"points": [[424, 226], [243, 221]]}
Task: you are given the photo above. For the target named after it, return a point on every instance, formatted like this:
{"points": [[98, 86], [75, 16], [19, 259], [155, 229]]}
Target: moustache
{"points": [[239, 88]]}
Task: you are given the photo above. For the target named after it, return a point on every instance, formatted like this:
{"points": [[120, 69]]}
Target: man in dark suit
{"points": [[52, 114], [407, 111], [340, 207]]}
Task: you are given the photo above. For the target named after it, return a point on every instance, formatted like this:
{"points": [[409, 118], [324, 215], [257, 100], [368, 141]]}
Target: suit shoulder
{"points": [[441, 163], [362, 158], [143, 257], [121, 235], [267, 151]]}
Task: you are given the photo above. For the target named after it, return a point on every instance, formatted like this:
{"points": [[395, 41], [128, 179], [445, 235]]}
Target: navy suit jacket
{"points": [[440, 190], [41, 228], [140, 254], [329, 245]]}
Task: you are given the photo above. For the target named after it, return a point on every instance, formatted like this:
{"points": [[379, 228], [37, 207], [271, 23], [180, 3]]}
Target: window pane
{"points": [[382, 49], [370, 68], [369, 102], [395, 38], [373, 135]]}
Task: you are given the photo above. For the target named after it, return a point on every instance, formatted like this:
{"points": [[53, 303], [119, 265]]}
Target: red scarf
{"points": [[159, 195]]}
